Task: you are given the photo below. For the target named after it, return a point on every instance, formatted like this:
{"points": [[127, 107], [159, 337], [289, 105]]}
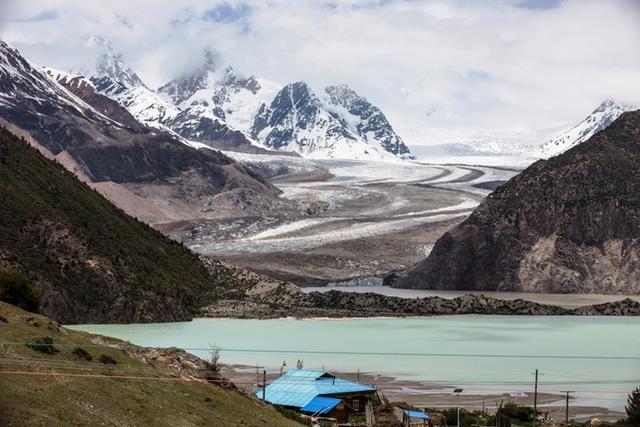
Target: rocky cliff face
{"points": [[570, 224], [340, 124], [296, 121], [370, 122]]}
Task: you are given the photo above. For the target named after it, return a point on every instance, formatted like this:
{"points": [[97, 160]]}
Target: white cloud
{"points": [[466, 64]]}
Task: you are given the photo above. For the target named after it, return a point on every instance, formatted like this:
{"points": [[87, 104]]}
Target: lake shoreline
{"points": [[561, 300], [289, 301], [435, 397]]}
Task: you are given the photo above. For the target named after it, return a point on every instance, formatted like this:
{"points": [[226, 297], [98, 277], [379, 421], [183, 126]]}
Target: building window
{"points": [[356, 405]]}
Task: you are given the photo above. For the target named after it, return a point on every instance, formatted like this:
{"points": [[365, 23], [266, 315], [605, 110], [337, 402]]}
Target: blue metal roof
{"points": [[320, 405], [416, 414], [298, 387]]}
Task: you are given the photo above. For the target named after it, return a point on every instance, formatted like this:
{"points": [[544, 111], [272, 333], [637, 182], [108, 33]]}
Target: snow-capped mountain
{"points": [[194, 122], [342, 125], [84, 89], [598, 120], [368, 120], [92, 135], [118, 81], [215, 106], [35, 102], [216, 92]]}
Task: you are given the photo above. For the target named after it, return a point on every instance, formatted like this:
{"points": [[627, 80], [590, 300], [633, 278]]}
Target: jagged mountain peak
{"points": [[370, 122], [341, 92], [12, 62], [111, 66], [112, 76], [299, 92], [599, 119], [338, 124], [210, 73], [23, 83]]}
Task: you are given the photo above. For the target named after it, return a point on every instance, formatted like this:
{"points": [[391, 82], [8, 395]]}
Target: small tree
{"points": [[212, 365], [17, 290], [633, 407]]}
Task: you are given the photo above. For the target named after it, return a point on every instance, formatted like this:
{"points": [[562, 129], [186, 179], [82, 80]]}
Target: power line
{"points": [[356, 353], [225, 381]]}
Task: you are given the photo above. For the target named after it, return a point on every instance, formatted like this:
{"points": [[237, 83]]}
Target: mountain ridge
{"points": [[214, 106], [599, 119], [184, 184], [569, 224]]}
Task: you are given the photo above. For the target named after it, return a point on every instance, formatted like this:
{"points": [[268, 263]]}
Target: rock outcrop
{"points": [[285, 300], [570, 224]]}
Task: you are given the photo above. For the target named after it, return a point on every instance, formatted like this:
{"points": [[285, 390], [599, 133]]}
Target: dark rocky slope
{"points": [[570, 224], [92, 261], [86, 91]]}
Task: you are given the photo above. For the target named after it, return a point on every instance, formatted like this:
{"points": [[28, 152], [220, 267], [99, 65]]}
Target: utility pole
{"points": [[566, 411], [535, 400], [258, 375], [264, 385], [457, 392]]}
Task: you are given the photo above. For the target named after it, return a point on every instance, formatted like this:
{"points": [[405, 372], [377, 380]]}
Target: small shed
{"points": [[413, 418]]}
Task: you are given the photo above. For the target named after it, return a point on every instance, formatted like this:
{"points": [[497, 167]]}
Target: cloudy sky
{"points": [[488, 65]]}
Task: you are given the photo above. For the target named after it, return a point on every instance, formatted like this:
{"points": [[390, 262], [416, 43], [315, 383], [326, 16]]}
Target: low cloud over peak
{"points": [[492, 65]]}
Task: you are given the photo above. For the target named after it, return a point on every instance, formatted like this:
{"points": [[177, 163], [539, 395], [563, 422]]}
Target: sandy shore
{"points": [[438, 396]]}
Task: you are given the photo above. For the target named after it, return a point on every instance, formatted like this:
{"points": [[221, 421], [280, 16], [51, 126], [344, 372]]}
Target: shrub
{"points": [[81, 353], [43, 345], [517, 412], [107, 360], [17, 290], [633, 407]]}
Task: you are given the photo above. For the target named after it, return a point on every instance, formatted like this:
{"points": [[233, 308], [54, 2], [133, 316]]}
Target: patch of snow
{"points": [[598, 120]]}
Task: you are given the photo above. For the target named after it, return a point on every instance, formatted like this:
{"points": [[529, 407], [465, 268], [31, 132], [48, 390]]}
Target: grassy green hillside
{"points": [[74, 401], [93, 262]]}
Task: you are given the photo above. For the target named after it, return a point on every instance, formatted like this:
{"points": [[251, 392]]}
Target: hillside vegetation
{"points": [[92, 261], [149, 400]]}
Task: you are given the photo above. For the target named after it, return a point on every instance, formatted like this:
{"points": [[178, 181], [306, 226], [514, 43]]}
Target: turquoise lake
{"points": [[597, 356]]}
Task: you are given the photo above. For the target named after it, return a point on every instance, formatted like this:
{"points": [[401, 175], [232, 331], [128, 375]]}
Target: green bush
{"points": [[81, 353], [17, 290], [43, 345], [107, 360], [517, 412], [633, 407]]}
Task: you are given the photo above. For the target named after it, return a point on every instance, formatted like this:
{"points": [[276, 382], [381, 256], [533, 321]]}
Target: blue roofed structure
{"points": [[416, 414], [299, 387], [320, 405]]}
